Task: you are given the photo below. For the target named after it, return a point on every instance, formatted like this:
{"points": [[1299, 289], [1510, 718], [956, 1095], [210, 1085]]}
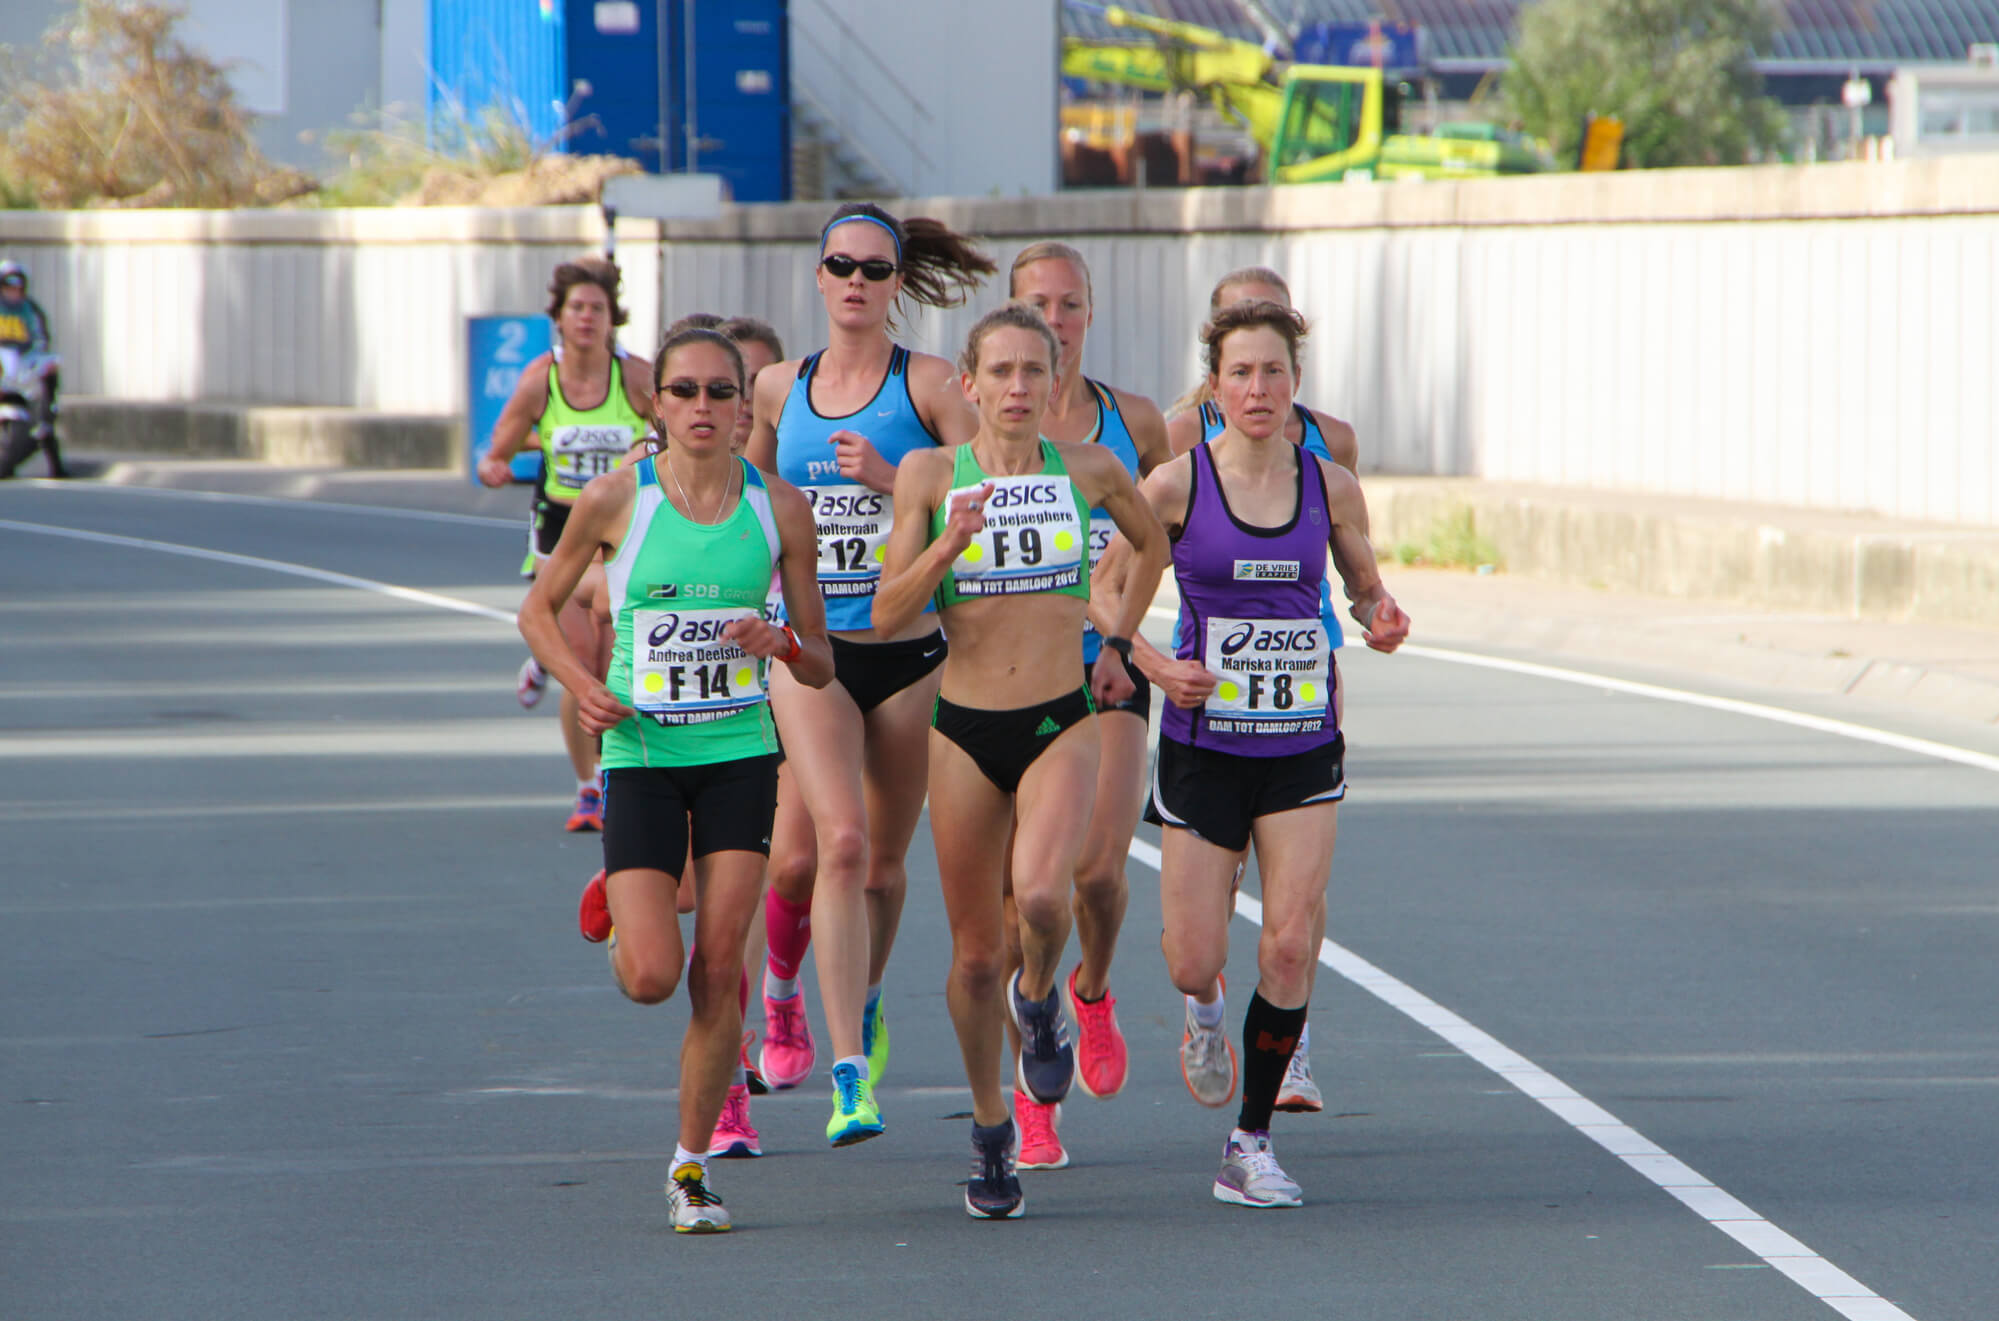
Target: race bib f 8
{"points": [[1032, 541], [684, 672], [853, 522], [1276, 676]]}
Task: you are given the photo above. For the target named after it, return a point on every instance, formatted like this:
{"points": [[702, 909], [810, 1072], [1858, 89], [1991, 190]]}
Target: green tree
{"points": [[1679, 73]]}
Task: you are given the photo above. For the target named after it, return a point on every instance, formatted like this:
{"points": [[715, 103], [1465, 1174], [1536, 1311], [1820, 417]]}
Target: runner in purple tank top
{"points": [[1250, 749]]}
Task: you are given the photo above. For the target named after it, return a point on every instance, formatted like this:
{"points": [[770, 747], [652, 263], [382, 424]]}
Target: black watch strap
{"points": [[1122, 646]]}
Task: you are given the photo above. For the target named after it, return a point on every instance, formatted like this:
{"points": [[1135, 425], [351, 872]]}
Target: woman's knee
{"points": [[1193, 965], [1285, 956], [979, 971], [886, 877], [791, 874], [1101, 882], [650, 982], [843, 849], [1042, 907]]}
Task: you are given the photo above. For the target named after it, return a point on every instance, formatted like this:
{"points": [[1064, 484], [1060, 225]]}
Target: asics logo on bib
{"points": [[1248, 637], [861, 504], [1026, 493], [670, 629]]}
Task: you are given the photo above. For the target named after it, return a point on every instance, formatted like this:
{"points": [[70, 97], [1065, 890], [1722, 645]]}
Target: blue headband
{"points": [[872, 220]]}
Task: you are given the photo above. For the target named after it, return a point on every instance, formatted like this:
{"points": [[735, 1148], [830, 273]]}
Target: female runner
{"points": [[1053, 279], [578, 441], [691, 537], [1195, 419], [836, 424], [1250, 749], [995, 531]]}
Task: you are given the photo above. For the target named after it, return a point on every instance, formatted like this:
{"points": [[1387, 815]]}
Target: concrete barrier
{"points": [[289, 437], [1771, 557]]}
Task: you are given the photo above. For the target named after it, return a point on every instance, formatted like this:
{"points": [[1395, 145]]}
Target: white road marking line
{"points": [[410, 594], [1807, 1269], [289, 502]]}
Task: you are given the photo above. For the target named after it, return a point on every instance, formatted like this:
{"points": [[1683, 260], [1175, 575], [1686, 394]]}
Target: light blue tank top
{"points": [[852, 520], [1314, 442], [1115, 436]]}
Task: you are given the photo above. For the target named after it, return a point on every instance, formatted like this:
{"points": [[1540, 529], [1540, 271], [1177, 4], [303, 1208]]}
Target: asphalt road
{"points": [[294, 1020]]}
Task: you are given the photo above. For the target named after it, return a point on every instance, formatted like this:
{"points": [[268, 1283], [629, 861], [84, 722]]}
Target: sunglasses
{"points": [[876, 269], [685, 389]]}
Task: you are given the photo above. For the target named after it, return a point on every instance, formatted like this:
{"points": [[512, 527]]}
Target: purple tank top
{"points": [[1250, 613]]}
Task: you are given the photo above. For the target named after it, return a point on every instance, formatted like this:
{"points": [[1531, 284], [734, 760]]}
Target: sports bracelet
{"points": [[1122, 646], [797, 647]]}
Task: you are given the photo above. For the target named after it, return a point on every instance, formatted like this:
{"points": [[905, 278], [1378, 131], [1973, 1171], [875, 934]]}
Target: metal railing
{"points": [[850, 106]]}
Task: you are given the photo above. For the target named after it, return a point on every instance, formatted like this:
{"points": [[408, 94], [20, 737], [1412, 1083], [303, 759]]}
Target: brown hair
{"points": [[749, 330], [694, 335], [1048, 250], [600, 271], [695, 321], [1199, 393], [939, 266], [1249, 316], [1017, 315]]}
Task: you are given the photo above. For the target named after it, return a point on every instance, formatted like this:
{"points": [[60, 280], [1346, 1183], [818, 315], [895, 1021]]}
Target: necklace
{"points": [[727, 482]]}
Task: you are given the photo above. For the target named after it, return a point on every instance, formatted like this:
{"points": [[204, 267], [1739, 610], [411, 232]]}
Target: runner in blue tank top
{"points": [[1195, 418], [1251, 750], [836, 424], [1053, 279]]}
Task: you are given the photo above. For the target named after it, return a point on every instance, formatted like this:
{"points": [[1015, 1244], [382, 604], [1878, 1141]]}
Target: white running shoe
{"points": [[1207, 1062], [696, 1208], [1298, 1094], [531, 682], [1251, 1175]]}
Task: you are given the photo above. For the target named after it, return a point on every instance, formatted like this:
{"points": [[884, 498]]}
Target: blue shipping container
{"points": [[508, 53], [742, 94]]}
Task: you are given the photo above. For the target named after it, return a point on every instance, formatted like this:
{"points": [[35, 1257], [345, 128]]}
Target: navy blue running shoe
{"points": [[1047, 1061], [993, 1191]]}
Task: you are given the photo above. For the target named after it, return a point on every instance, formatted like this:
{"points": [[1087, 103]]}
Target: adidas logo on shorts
{"points": [[1047, 727]]}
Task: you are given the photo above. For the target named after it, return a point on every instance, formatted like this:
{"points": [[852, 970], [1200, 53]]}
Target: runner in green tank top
{"points": [[691, 539], [579, 440], [996, 531]]}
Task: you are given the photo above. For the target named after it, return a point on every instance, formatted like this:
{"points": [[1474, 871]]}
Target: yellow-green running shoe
{"points": [[855, 1115], [874, 1040]]}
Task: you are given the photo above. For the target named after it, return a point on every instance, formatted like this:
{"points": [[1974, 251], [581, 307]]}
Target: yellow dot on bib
{"points": [[1309, 691], [745, 677], [973, 553], [1228, 692], [1064, 541], [653, 683], [881, 553]]}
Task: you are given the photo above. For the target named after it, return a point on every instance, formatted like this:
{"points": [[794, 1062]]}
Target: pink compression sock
{"points": [[787, 932]]}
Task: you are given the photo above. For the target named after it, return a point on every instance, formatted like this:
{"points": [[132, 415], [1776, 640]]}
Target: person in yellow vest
{"points": [[587, 402]]}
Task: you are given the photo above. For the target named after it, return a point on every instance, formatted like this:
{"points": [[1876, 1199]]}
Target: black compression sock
{"points": [[1269, 1035]]}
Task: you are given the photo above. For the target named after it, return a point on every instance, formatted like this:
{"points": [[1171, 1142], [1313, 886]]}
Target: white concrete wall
{"points": [[1820, 336]]}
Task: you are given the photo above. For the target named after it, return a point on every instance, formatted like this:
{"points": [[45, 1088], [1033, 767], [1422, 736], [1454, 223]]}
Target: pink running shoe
{"points": [[1101, 1057], [786, 1058], [733, 1134], [1040, 1144], [593, 912]]}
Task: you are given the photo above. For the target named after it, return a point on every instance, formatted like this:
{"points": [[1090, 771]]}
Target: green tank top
{"points": [[1034, 539], [675, 584], [578, 444]]}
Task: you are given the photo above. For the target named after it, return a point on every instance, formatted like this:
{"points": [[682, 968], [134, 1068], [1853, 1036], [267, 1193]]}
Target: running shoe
{"points": [[1101, 1057], [1047, 1062], [734, 1136], [589, 813], [696, 1208], [1298, 1094], [751, 1078], [993, 1191], [531, 682], [1040, 1144], [1251, 1176], [874, 1041], [786, 1058], [593, 911], [855, 1115], [1207, 1062]]}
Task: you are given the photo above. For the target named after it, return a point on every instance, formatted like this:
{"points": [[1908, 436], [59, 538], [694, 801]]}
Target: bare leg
{"points": [[729, 885]]}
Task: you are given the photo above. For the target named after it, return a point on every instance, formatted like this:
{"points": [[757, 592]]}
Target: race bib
{"points": [[1102, 529], [583, 452], [853, 522], [1032, 540], [1276, 676], [684, 672]]}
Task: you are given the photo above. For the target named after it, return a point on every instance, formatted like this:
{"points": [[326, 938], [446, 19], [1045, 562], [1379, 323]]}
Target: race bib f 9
{"points": [[1032, 541], [1276, 676], [684, 672]]}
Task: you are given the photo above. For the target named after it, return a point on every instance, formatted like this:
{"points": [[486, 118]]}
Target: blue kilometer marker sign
{"points": [[496, 348]]}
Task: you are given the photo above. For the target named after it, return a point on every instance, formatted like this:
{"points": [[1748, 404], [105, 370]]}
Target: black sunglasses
{"points": [[685, 389], [840, 266]]}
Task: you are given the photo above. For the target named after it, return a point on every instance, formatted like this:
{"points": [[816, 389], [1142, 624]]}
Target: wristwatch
{"points": [[1122, 646]]}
